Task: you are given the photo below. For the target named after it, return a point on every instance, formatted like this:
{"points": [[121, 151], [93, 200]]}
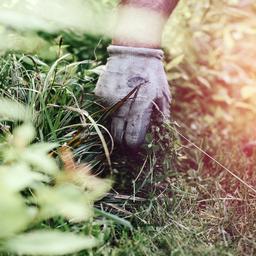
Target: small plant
{"points": [[34, 189]]}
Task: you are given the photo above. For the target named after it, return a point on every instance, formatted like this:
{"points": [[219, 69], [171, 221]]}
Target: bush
{"points": [[34, 189]]}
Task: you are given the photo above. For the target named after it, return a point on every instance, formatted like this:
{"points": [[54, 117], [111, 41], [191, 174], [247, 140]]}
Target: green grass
{"points": [[178, 201]]}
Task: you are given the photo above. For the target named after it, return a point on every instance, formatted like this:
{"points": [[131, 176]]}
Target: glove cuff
{"points": [[135, 51]]}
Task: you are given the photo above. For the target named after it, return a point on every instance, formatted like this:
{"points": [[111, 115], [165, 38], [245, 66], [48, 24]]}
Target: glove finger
{"points": [[117, 129], [119, 121], [137, 123], [163, 104], [101, 81]]}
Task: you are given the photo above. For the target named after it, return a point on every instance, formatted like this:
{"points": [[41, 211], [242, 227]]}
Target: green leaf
{"points": [[24, 135], [14, 111], [39, 161], [49, 243], [64, 200], [95, 187], [115, 218], [43, 147], [175, 62], [18, 177], [15, 216]]}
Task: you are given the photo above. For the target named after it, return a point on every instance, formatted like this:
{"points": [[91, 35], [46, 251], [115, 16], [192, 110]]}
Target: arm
{"points": [[141, 22], [135, 71]]}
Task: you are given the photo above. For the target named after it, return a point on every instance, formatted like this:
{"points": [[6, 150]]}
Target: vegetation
{"points": [[33, 189], [189, 191]]}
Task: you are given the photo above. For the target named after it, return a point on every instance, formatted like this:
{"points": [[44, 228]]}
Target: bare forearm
{"points": [[161, 6], [141, 22]]}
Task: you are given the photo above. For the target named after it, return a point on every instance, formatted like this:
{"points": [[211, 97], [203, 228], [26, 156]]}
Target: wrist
{"points": [[165, 7], [139, 27], [132, 43], [135, 51]]}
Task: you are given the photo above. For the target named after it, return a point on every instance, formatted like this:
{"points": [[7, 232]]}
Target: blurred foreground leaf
{"points": [[10, 110], [33, 189], [49, 243]]}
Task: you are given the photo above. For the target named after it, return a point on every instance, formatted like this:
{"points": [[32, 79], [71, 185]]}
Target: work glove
{"points": [[135, 78]]}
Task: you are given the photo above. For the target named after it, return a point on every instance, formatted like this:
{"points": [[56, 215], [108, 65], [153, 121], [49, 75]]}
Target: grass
{"points": [[178, 200]]}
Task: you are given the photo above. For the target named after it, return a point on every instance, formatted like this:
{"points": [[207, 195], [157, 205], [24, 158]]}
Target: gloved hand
{"points": [[140, 72]]}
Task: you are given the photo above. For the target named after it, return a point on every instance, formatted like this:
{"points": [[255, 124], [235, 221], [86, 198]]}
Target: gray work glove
{"points": [[140, 72]]}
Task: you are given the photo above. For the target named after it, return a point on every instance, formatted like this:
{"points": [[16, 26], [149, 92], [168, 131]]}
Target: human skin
{"points": [[141, 22]]}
